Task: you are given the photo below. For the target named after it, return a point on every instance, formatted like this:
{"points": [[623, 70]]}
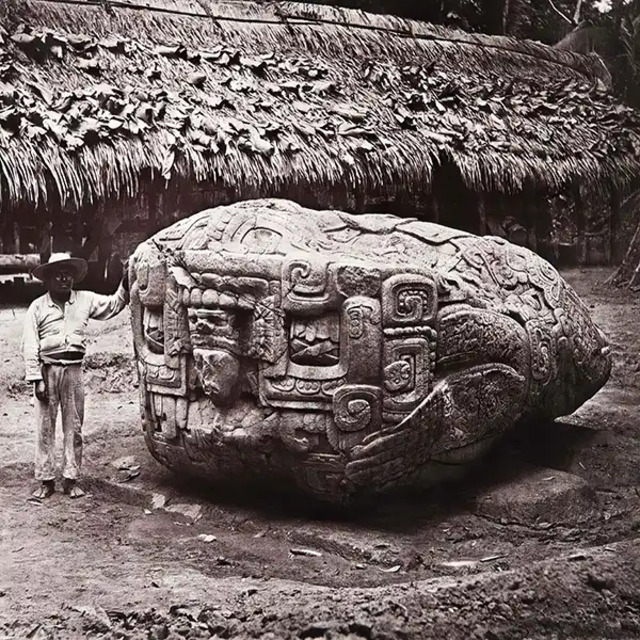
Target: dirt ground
{"points": [[539, 541]]}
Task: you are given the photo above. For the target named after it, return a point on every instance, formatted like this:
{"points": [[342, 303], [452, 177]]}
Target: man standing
{"points": [[54, 342]]}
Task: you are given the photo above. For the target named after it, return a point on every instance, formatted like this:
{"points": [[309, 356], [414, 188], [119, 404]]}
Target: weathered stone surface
{"points": [[347, 354]]}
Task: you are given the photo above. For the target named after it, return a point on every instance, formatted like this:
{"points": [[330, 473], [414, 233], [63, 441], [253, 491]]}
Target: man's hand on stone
{"points": [[125, 275], [40, 389]]}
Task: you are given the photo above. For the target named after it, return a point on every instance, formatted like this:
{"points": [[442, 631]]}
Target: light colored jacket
{"points": [[50, 332]]}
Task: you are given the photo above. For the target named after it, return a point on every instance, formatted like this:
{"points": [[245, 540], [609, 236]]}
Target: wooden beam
{"points": [[18, 263]]}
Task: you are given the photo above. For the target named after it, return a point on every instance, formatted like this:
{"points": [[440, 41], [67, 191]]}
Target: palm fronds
{"points": [[264, 97]]}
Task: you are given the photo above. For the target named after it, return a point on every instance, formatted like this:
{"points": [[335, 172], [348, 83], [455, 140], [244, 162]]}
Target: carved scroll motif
{"points": [[308, 287], [408, 371], [409, 306], [356, 413], [544, 276], [408, 299], [461, 331]]}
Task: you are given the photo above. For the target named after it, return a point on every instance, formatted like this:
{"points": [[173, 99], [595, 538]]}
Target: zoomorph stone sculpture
{"points": [[347, 354]]}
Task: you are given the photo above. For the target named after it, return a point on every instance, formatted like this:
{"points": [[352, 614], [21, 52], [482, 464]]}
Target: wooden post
{"points": [[542, 210], [612, 227], [482, 214], [531, 220], [436, 207], [8, 238], [153, 204], [580, 228], [360, 201]]}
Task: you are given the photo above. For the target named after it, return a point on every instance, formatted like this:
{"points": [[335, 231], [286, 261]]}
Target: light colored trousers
{"points": [[66, 391]]}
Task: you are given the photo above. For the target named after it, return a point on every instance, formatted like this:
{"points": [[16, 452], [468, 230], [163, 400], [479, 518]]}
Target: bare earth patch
{"points": [[539, 541]]}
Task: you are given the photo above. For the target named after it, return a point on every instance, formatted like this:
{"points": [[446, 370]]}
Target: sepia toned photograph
{"points": [[320, 320]]}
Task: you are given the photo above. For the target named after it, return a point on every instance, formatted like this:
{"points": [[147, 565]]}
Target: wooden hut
{"points": [[118, 117]]}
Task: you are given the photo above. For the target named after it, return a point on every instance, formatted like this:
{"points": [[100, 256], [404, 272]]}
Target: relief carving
{"points": [[356, 414], [274, 341], [307, 286], [408, 299]]}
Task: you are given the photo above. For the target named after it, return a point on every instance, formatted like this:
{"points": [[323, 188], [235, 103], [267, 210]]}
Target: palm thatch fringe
{"points": [[94, 101], [293, 15]]}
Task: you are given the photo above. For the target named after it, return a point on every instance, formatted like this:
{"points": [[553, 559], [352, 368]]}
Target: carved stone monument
{"points": [[347, 354]]}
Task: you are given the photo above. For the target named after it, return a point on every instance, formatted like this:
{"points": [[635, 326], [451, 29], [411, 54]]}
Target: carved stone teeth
{"points": [[210, 298], [196, 298], [227, 301]]}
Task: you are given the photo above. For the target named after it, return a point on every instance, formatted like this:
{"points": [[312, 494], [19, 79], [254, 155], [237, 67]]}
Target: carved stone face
{"points": [[347, 354], [219, 373]]}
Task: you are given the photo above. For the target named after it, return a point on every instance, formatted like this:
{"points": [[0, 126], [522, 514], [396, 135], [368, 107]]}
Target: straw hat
{"points": [[60, 261]]}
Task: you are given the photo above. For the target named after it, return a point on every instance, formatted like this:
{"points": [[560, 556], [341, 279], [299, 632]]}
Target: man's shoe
{"points": [[46, 489], [72, 489]]}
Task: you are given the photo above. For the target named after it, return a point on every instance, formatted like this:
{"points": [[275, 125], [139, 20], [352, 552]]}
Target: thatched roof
{"points": [[98, 95]]}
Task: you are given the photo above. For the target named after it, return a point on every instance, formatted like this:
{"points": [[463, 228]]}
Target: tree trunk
{"points": [[627, 272], [505, 16]]}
